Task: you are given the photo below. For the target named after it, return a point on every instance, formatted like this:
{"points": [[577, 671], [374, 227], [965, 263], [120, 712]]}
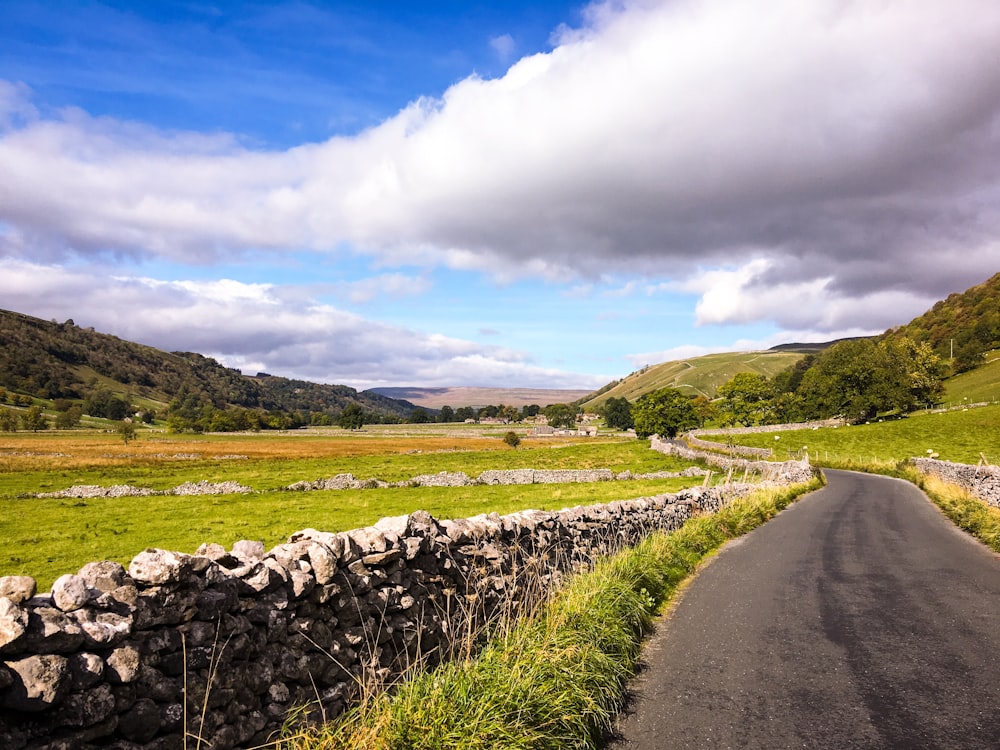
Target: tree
{"points": [[560, 415], [447, 414], [509, 414], [664, 412], [530, 410], [69, 418], [34, 419], [126, 428], [419, 416], [704, 408], [352, 417], [512, 439], [861, 378], [8, 420], [747, 400], [618, 413], [464, 414]]}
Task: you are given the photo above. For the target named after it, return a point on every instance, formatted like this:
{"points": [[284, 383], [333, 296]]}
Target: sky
{"points": [[517, 194]]}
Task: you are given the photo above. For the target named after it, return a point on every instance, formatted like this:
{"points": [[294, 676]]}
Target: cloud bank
{"points": [[820, 165]]}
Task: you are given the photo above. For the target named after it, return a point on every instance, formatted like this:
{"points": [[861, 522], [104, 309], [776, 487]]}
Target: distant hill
{"points": [[697, 376], [962, 327], [53, 360], [435, 398], [810, 348]]}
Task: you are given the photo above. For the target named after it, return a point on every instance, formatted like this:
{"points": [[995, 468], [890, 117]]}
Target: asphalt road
{"points": [[858, 618]]}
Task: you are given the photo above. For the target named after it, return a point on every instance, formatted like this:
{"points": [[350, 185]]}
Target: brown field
{"points": [[66, 450]]}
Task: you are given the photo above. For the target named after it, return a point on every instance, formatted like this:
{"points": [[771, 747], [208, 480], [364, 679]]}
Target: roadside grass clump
{"points": [[553, 678]]}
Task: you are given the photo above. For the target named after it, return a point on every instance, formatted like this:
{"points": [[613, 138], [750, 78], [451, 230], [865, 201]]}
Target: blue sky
{"points": [[496, 194]]}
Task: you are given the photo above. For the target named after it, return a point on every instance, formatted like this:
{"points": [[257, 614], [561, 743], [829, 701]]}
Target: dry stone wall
{"points": [[493, 476], [223, 645], [983, 481], [785, 471]]}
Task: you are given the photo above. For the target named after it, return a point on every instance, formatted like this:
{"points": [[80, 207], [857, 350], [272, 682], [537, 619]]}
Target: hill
{"points": [[695, 376], [435, 398], [961, 327], [979, 385], [50, 360]]}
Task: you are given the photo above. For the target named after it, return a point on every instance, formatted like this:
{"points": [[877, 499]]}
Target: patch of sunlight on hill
{"points": [[981, 384]]}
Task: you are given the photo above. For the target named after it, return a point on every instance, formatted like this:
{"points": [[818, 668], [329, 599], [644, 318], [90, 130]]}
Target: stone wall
{"points": [[492, 476], [223, 645], [785, 471], [983, 481]]}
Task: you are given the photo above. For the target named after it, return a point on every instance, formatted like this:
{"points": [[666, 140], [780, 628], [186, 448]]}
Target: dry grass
{"points": [[25, 451]]}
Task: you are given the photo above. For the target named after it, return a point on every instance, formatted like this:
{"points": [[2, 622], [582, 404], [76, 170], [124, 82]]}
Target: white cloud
{"points": [[751, 293], [257, 327], [391, 285], [504, 46], [850, 147]]}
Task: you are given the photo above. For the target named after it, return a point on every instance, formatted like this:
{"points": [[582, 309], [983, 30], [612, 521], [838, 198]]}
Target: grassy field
{"points": [[960, 436], [48, 537], [979, 385]]}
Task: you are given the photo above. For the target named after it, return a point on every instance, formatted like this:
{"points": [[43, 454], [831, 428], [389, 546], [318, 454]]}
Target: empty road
{"points": [[858, 618]]}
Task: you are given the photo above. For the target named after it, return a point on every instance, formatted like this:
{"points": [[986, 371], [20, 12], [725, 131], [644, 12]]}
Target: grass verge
{"points": [[963, 508], [556, 678]]}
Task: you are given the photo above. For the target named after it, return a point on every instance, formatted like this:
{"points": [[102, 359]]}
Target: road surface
{"points": [[858, 618]]}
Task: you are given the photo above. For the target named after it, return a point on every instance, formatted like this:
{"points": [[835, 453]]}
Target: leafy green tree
{"points": [[747, 400], [447, 414], [664, 412], [923, 369], [34, 419], [419, 416], [512, 439], [861, 378], [560, 415], [464, 413], [704, 408], [530, 410], [488, 412], [352, 417], [618, 413], [509, 414], [9, 420], [126, 429], [69, 418]]}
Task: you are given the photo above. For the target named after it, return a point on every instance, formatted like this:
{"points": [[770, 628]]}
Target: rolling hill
{"points": [[697, 376], [50, 360], [435, 398]]}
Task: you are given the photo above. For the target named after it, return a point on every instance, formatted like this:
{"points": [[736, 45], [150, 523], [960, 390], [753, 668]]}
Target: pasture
{"points": [[960, 435], [46, 537]]}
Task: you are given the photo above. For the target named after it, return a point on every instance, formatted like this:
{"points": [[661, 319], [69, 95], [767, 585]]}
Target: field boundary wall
{"points": [[983, 480], [219, 648]]}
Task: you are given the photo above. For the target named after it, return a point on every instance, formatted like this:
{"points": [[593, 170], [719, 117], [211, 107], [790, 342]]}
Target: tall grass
{"points": [[964, 509], [556, 678]]}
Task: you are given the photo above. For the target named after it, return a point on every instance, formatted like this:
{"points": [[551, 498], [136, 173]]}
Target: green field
{"points": [[976, 386], [960, 435], [45, 538]]}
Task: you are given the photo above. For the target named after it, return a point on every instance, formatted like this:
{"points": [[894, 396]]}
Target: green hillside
{"points": [[963, 326], [49, 360], [695, 376], [975, 386]]}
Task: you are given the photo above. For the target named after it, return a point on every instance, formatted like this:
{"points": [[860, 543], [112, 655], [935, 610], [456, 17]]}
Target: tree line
{"points": [[857, 379]]}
